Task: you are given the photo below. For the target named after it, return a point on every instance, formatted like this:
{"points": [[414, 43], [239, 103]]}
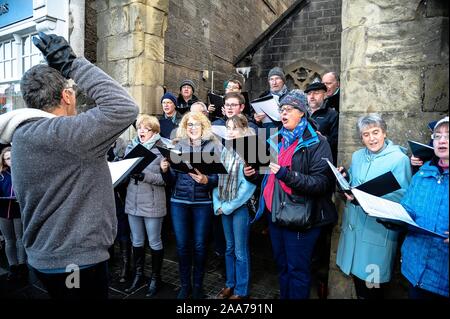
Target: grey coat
{"points": [[61, 177], [147, 198]]}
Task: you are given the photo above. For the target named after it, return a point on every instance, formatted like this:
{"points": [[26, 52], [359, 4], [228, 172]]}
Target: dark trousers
{"points": [[293, 253], [93, 283]]}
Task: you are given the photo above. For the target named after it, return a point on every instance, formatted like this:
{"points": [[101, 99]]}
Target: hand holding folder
{"points": [[205, 162], [422, 151]]}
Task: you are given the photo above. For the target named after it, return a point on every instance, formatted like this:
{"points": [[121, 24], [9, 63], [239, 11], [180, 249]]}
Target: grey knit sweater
{"points": [[61, 176]]}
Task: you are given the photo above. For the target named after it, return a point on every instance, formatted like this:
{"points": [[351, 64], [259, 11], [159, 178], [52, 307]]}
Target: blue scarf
{"points": [[290, 136]]}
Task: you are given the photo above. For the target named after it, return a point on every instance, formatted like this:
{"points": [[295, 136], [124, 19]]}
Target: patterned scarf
{"points": [[290, 136], [228, 182], [149, 144]]}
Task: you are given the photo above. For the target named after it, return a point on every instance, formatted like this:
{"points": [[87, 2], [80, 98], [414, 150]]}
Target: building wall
{"points": [[209, 35], [310, 39]]}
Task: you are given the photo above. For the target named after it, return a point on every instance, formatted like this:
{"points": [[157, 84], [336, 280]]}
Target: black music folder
{"points": [[207, 163], [247, 108], [253, 149], [218, 102], [378, 186], [422, 151], [140, 151]]}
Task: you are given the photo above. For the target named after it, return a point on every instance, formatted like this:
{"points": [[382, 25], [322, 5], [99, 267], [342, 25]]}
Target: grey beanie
{"points": [[277, 71], [188, 82]]}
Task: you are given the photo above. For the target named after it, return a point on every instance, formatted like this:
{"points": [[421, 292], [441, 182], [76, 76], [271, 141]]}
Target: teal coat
{"points": [[366, 248]]}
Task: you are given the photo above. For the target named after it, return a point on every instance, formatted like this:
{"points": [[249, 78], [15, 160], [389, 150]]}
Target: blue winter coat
{"points": [[425, 258], [366, 248]]}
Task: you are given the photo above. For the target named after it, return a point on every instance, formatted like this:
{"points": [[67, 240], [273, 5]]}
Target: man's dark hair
{"points": [[41, 87], [236, 95]]}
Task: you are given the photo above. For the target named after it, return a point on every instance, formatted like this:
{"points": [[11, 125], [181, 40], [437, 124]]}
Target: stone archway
{"points": [[303, 72]]}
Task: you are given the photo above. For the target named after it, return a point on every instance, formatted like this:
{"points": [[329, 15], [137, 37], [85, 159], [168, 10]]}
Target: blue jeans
{"points": [[293, 253], [191, 224], [236, 227]]}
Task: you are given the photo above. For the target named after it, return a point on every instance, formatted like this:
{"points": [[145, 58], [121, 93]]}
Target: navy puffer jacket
{"points": [[185, 188]]}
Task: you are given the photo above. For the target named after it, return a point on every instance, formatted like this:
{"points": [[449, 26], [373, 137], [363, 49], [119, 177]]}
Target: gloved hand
{"points": [[138, 177], [57, 52]]}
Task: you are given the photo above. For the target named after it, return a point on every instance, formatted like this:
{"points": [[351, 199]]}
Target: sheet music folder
{"points": [[140, 151], [267, 105], [218, 102], [378, 186], [252, 149], [120, 170], [207, 163], [422, 151], [391, 212]]}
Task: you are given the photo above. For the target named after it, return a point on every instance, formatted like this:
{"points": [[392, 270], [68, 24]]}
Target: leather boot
{"points": [[155, 282], [139, 263], [13, 273], [125, 252], [22, 273]]}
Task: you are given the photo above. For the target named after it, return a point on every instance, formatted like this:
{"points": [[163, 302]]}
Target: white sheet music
{"points": [[220, 130], [118, 169], [382, 208], [269, 107]]}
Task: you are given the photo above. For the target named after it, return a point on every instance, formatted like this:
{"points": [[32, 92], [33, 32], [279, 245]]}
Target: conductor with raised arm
{"points": [[59, 169]]}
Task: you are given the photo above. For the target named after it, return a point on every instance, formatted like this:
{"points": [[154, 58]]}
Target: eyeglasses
{"points": [[438, 136], [193, 125], [144, 129], [231, 105], [287, 108]]}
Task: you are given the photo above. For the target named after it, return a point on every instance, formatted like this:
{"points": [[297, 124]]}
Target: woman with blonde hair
{"points": [[145, 205], [191, 203]]}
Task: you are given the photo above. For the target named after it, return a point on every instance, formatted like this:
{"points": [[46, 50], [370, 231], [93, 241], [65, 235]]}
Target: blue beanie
{"points": [[297, 99], [169, 96]]}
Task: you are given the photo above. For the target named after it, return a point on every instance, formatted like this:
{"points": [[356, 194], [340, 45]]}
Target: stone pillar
{"points": [[131, 47], [394, 61]]}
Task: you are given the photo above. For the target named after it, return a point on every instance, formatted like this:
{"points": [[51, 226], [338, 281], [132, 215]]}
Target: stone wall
{"points": [[209, 35], [90, 36], [394, 62], [309, 39], [130, 46]]}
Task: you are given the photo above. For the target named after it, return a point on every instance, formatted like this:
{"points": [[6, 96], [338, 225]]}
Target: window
{"points": [[30, 53], [8, 60]]}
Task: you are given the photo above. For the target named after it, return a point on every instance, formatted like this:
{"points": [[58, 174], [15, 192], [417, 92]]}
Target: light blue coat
{"points": [[245, 190], [366, 248]]}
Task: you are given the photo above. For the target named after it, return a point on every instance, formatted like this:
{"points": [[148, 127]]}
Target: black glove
{"points": [[57, 52], [138, 177]]}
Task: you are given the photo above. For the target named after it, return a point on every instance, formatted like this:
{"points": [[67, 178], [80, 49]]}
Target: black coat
{"points": [[309, 176], [183, 106], [327, 120]]}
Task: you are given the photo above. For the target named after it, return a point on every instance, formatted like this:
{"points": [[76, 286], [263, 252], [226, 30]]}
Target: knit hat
{"points": [[441, 121], [297, 99], [188, 82], [277, 71], [316, 86], [169, 96]]}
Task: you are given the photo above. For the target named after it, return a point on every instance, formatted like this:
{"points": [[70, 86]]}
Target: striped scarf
{"points": [[228, 183]]}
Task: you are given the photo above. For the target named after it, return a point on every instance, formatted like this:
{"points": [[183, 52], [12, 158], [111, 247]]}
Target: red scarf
{"points": [[284, 159]]}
